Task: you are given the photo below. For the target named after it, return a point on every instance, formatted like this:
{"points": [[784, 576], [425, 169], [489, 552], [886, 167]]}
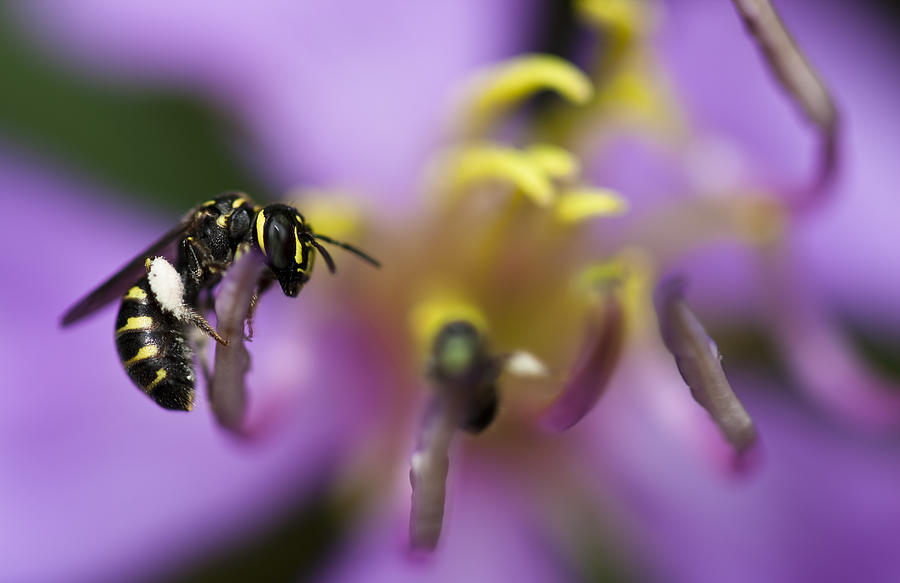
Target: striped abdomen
{"points": [[154, 350]]}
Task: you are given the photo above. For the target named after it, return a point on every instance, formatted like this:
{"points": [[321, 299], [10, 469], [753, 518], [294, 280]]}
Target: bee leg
{"points": [[265, 281], [193, 253], [199, 343], [199, 321], [167, 288], [200, 260]]}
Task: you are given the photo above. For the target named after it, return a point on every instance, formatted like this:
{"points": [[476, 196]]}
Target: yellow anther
{"points": [[603, 275], [430, 316], [499, 88], [583, 203], [629, 275], [556, 162], [470, 166]]}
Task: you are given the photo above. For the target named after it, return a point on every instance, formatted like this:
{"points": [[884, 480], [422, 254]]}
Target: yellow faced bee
{"points": [[160, 301]]}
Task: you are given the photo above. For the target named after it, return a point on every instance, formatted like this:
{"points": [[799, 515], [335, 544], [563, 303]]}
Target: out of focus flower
{"points": [[512, 238]]}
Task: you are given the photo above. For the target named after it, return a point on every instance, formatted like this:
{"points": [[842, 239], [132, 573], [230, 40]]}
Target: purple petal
{"points": [[492, 535], [595, 364], [96, 482], [822, 360], [347, 92], [823, 508]]}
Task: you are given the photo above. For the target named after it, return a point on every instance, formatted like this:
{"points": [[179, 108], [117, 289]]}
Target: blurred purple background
{"points": [[117, 117]]}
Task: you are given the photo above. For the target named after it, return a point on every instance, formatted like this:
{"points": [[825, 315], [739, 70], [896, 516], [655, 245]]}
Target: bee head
{"points": [[283, 236]]}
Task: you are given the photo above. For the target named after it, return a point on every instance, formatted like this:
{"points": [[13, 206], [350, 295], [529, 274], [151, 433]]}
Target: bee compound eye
{"points": [[279, 239]]}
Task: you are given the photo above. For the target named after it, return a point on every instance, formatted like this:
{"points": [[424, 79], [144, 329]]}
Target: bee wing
{"points": [[116, 285]]}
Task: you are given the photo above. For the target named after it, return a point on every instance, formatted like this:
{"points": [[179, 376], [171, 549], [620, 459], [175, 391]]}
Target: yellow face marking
{"points": [[222, 221], [298, 250], [260, 224], [148, 351], [137, 323], [160, 375], [238, 202], [209, 203], [136, 293]]}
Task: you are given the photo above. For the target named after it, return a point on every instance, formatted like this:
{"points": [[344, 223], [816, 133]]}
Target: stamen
{"points": [[629, 274], [227, 391], [499, 88], [463, 375], [583, 203], [797, 77], [590, 375], [699, 363], [429, 465]]}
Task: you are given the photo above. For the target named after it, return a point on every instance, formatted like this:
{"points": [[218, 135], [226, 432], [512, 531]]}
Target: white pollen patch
{"points": [[167, 288], [525, 364]]}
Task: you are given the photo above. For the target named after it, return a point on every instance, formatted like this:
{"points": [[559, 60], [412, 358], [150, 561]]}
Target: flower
{"points": [[536, 503]]}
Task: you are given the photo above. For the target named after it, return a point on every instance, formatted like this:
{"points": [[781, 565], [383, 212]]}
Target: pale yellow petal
{"points": [[468, 167], [629, 18], [498, 89], [585, 203], [557, 162]]}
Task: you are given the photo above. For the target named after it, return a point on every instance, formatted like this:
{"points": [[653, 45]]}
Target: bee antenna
{"points": [[347, 246], [325, 255]]}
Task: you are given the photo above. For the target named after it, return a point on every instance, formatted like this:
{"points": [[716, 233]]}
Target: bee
{"points": [[162, 303]]}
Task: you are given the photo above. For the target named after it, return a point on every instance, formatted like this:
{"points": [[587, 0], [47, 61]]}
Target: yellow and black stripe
{"points": [[154, 350]]}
